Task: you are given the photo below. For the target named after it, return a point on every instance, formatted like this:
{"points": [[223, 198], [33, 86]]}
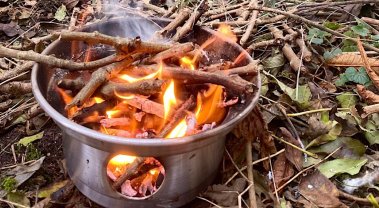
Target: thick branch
{"points": [[146, 105], [123, 44], [251, 25], [16, 71], [143, 87], [179, 20], [57, 62], [16, 88]]}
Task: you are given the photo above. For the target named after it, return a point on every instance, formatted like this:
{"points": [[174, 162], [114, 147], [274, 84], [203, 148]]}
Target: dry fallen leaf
{"points": [[226, 195], [320, 191], [353, 59], [293, 155], [367, 95], [283, 170]]}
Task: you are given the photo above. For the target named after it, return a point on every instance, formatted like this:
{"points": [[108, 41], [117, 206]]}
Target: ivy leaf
{"points": [[304, 93], [360, 30], [332, 25], [332, 53], [317, 36], [350, 148], [338, 166], [347, 100], [349, 46], [60, 14], [352, 75], [335, 131]]}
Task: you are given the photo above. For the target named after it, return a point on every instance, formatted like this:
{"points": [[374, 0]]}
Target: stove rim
{"points": [[155, 142]]}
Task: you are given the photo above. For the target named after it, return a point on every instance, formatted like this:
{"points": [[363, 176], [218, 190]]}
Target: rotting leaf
{"points": [[226, 195], [47, 191], [332, 25], [320, 191], [21, 173], [335, 131], [293, 155], [338, 166], [350, 148], [27, 140], [372, 135], [19, 198], [283, 170], [11, 29], [302, 97], [274, 62], [347, 100], [60, 14]]}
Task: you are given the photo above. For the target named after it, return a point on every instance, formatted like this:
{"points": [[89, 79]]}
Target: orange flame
{"points": [[131, 79], [227, 32], [124, 96], [210, 100], [67, 99], [98, 100], [117, 164], [112, 113], [187, 62], [169, 99], [179, 131]]}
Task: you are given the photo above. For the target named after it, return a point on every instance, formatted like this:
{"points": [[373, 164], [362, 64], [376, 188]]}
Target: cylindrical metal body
{"points": [[190, 162]]}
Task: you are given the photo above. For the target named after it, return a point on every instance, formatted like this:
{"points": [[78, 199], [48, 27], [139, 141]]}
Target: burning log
{"points": [[232, 83], [142, 87], [146, 105], [101, 108], [178, 116], [110, 122], [130, 171], [176, 50], [97, 79], [71, 84]]}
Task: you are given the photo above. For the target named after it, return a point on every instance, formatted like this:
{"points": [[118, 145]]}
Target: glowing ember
{"points": [[227, 32], [112, 113], [98, 100], [169, 99], [124, 96]]}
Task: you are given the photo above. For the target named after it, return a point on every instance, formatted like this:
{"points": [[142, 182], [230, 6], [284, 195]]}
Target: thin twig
{"points": [[249, 160], [273, 180], [235, 165], [296, 147]]}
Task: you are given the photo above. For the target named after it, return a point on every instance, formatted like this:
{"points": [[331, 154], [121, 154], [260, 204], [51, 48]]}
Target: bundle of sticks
{"points": [[142, 73]]}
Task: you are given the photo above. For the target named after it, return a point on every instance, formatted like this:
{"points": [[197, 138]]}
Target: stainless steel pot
{"points": [[191, 163]]}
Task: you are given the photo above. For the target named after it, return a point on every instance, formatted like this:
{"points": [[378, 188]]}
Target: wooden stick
{"points": [[178, 116], [97, 79], [251, 25], [250, 175], [123, 44], [143, 87], [57, 62], [307, 54], [16, 71], [177, 50], [179, 20], [273, 42], [16, 88], [233, 83], [170, 11], [295, 62], [130, 170], [71, 84], [146, 105], [181, 32], [154, 8], [101, 108]]}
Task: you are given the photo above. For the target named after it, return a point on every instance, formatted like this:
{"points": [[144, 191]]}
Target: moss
{"points": [[32, 153], [8, 184]]}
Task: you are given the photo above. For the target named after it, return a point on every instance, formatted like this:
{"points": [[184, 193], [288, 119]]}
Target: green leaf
{"points": [[352, 75], [60, 14], [275, 61], [375, 37], [372, 135], [335, 131], [360, 30], [26, 140], [338, 166], [317, 36], [303, 97], [46, 192], [350, 148], [331, 54], [347, 100], [332, 25], [349, 46]]}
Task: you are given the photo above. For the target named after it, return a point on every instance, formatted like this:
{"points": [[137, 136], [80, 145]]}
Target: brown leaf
{"points": [[293, 155], [320, 191], [316, 128], [11, 29], [254, 126], [370, 72], [352, 59], [226, 195], [283, 170], [367, 95]]}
